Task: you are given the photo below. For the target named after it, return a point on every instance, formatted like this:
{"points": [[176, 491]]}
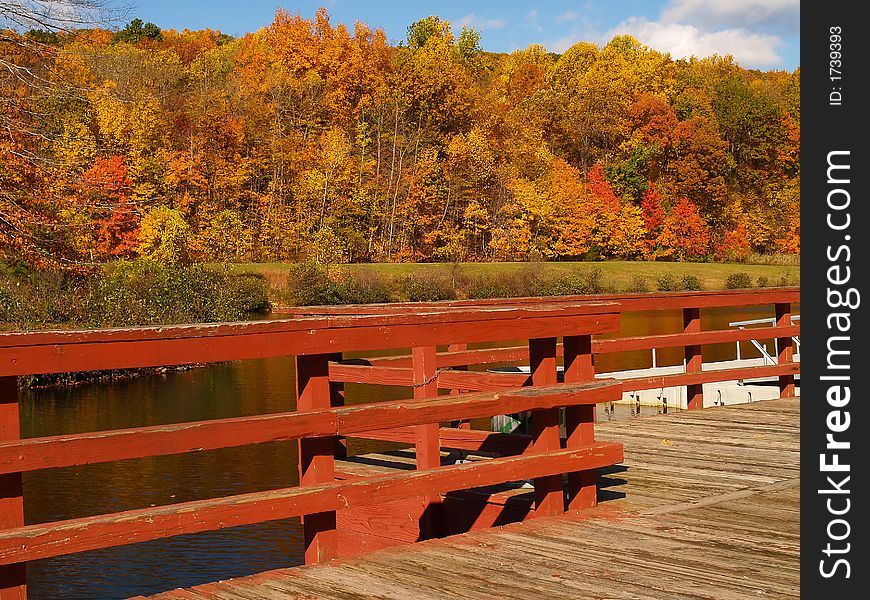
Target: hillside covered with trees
{"points": [[309, 140]]}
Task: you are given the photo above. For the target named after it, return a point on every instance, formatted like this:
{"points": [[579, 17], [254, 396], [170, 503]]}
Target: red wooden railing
{"points": [[318, 421], [319, 338], [452, 365]]}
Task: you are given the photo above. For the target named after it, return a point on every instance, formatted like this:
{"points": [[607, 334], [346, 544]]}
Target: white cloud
{"points": [[562, 44], [567, 17], [750, 49], [780, 15], [480, 23], [531, 20]]}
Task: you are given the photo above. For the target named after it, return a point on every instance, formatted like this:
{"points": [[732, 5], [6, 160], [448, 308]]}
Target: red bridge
{"points": [[349, 509]]}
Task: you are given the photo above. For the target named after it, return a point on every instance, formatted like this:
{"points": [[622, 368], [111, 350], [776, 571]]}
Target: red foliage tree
{"points": [[686, 231], [106, 193]]}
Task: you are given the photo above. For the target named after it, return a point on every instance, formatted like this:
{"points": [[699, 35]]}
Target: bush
{"points": [[308, 284], [311, 284], [668, 283], [762, 282], [130, 293], [240, 296], [738, 281], [789, 279], [363, 288], [789, 260], [144, 292], [491, 286], [426, 287], [585, 282], [691, 282], [32, 300], [637, 285], [522, 282]]}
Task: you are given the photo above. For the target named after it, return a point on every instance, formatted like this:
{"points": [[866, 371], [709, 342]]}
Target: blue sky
{"points": [[758, 33]]}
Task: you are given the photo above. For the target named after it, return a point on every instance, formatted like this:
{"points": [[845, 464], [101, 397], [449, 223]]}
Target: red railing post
{"points": [[785, 355], [336, 398], [13, 578], [426, 437], [549, 499], [694, 392], [580, 420], [453, 392], [316, 458]]}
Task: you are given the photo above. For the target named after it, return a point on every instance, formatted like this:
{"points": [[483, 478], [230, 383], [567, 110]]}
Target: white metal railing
{"points": [[768, 359]]}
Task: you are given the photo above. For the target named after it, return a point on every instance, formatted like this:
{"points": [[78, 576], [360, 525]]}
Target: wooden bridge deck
{"points": [[705, 505]]}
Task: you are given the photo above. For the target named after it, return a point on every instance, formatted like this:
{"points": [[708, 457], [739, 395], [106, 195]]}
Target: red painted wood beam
{"points": [[580, 420], [647, 342], [106, 446], [480, 381], [13, 576], [426, 444], [505, 444], [316, 456], [784, 345], [605, 346], [692, 325], [662, 381], [34, 542], [636, 301], [372, 375], [549, 497], [25, 353]]}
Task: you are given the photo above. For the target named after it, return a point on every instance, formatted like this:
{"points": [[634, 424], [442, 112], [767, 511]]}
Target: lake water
{"points": [[218, 391]]}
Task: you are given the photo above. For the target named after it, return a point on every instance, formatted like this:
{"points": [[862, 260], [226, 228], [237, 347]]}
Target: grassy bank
{"points": [[128, 293], [146, 293], [295, 284]]}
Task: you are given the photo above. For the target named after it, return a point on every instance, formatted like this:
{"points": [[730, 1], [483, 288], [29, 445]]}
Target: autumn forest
{"points": [[309, 140]]}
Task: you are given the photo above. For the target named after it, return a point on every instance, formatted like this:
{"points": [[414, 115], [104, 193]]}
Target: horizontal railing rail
{"points": [[639, 301], [34, 542], [561, 441], [452, 373], [319, 420], [138, 442]]}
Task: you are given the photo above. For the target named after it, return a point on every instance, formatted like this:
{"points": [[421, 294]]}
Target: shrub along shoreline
{"points": [[310, 284], [140, 292]]}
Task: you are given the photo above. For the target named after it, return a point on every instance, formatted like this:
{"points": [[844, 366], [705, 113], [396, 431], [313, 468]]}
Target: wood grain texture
{"points": [[33, 542], [580, 420], [316, 456], [549, 498], [784, 345], [426, 443], [631, 384], [674, 521], [636, 301], [104, 446], [13, 577], [694, 391], [59, 352]]}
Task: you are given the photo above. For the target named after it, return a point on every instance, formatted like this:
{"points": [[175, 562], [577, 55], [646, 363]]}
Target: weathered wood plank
{"points": [[34, 542], [316, 457], [86, 448], [605, 346], [59, 352], [13, 577], [549, 498], [702, 519], [631, 384], [635, 301], [580, 420]]}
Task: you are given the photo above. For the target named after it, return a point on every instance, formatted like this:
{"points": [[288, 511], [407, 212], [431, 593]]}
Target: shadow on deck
{"points": [[705, 505]]}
